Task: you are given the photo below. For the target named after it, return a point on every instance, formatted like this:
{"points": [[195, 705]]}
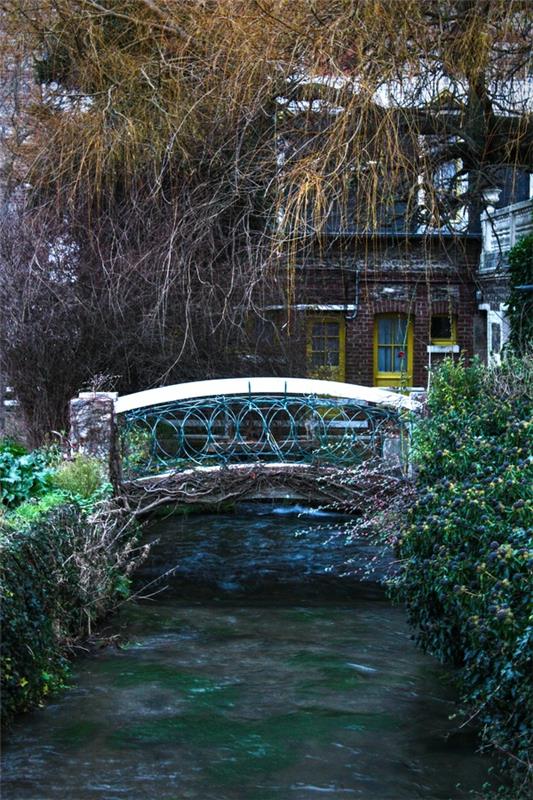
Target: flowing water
{"points": [[266, 671]]}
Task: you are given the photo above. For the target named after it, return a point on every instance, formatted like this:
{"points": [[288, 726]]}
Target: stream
{"points": [[265, 670]]}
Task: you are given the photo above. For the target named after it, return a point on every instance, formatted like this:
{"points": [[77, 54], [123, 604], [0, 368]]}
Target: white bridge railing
{"points": [[264, 386]]}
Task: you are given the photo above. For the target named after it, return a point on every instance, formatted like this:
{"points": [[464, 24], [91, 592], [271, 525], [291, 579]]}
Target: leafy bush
{"points": [[520, 306], [466, 547], [13, 447], [33, 483], [136, 446], [83, 476], [57, 578], [30, 510], [22, 476]]}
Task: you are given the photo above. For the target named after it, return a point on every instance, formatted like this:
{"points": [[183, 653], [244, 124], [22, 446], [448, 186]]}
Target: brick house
{"points": [[381, 309]]}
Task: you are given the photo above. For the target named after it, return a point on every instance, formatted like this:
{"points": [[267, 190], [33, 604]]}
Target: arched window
{"points": [[393, 350]]}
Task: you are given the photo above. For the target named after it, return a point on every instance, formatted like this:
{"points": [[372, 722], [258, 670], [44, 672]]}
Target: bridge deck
{"points": [[345, 490]]}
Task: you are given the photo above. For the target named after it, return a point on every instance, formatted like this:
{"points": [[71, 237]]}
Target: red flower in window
{"points": [[401, 354]]}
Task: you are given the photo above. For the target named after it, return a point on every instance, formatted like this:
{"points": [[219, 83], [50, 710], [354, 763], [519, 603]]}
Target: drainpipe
{"points": [[352, 316]]}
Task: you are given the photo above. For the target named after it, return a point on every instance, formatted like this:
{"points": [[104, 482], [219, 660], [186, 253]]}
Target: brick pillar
{"points": [[93, 429], [393, 450]]}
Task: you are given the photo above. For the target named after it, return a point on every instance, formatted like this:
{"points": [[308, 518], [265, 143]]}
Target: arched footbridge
{"points": [[243, 438]]}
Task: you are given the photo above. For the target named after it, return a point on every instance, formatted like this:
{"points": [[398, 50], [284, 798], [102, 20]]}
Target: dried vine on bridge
{"points": [[367, 489]]}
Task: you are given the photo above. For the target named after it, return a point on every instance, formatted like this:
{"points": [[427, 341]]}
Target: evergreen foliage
{"points": [[83, 476], [65, 559], [59, 575], [466, 549], [22, 475], [520, 307]]}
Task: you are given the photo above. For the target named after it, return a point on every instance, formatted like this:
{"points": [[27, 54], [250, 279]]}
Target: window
{"points": [[495, 338], [393, 350], [441, 195], [325, 347], [443, 329]]}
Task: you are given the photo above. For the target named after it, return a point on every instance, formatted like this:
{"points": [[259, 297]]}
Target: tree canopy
{"points": [[164, 94], [164, 155]]}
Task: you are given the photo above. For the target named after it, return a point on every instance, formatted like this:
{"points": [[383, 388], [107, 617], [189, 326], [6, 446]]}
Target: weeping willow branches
{"points": [[162, 102]]}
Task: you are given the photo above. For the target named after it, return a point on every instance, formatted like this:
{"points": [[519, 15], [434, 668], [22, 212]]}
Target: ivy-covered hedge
{"points": [[58, 575], [467, 548]]}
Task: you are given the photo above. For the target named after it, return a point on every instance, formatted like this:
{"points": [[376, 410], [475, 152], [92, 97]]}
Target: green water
{"points": [[248, 688]]}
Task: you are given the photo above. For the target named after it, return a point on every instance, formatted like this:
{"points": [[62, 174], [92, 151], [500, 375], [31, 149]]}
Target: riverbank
{"points": [[59, 577], [463, 539]]}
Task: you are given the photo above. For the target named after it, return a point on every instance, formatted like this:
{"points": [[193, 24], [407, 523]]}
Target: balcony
{"points": [[501, 229]]}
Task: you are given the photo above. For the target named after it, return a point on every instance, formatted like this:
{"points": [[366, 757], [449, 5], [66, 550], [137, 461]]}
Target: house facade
{"points": [[502, 228], [385, 315], [383, 309]]}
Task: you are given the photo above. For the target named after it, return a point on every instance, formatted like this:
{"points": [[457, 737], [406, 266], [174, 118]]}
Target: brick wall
{"points": [[420, 307], [418, 279]]}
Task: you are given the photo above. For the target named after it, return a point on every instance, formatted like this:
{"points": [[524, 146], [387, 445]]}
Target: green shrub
{"points": [[467, 550], [136, 447], [58, 576], [22, 476], [520, 306], [13, 447], [83, 476], [33, 483], [31, 510]]}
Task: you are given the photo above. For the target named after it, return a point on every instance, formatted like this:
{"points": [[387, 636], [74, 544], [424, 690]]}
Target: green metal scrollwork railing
{"points": [[240, 429]]}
